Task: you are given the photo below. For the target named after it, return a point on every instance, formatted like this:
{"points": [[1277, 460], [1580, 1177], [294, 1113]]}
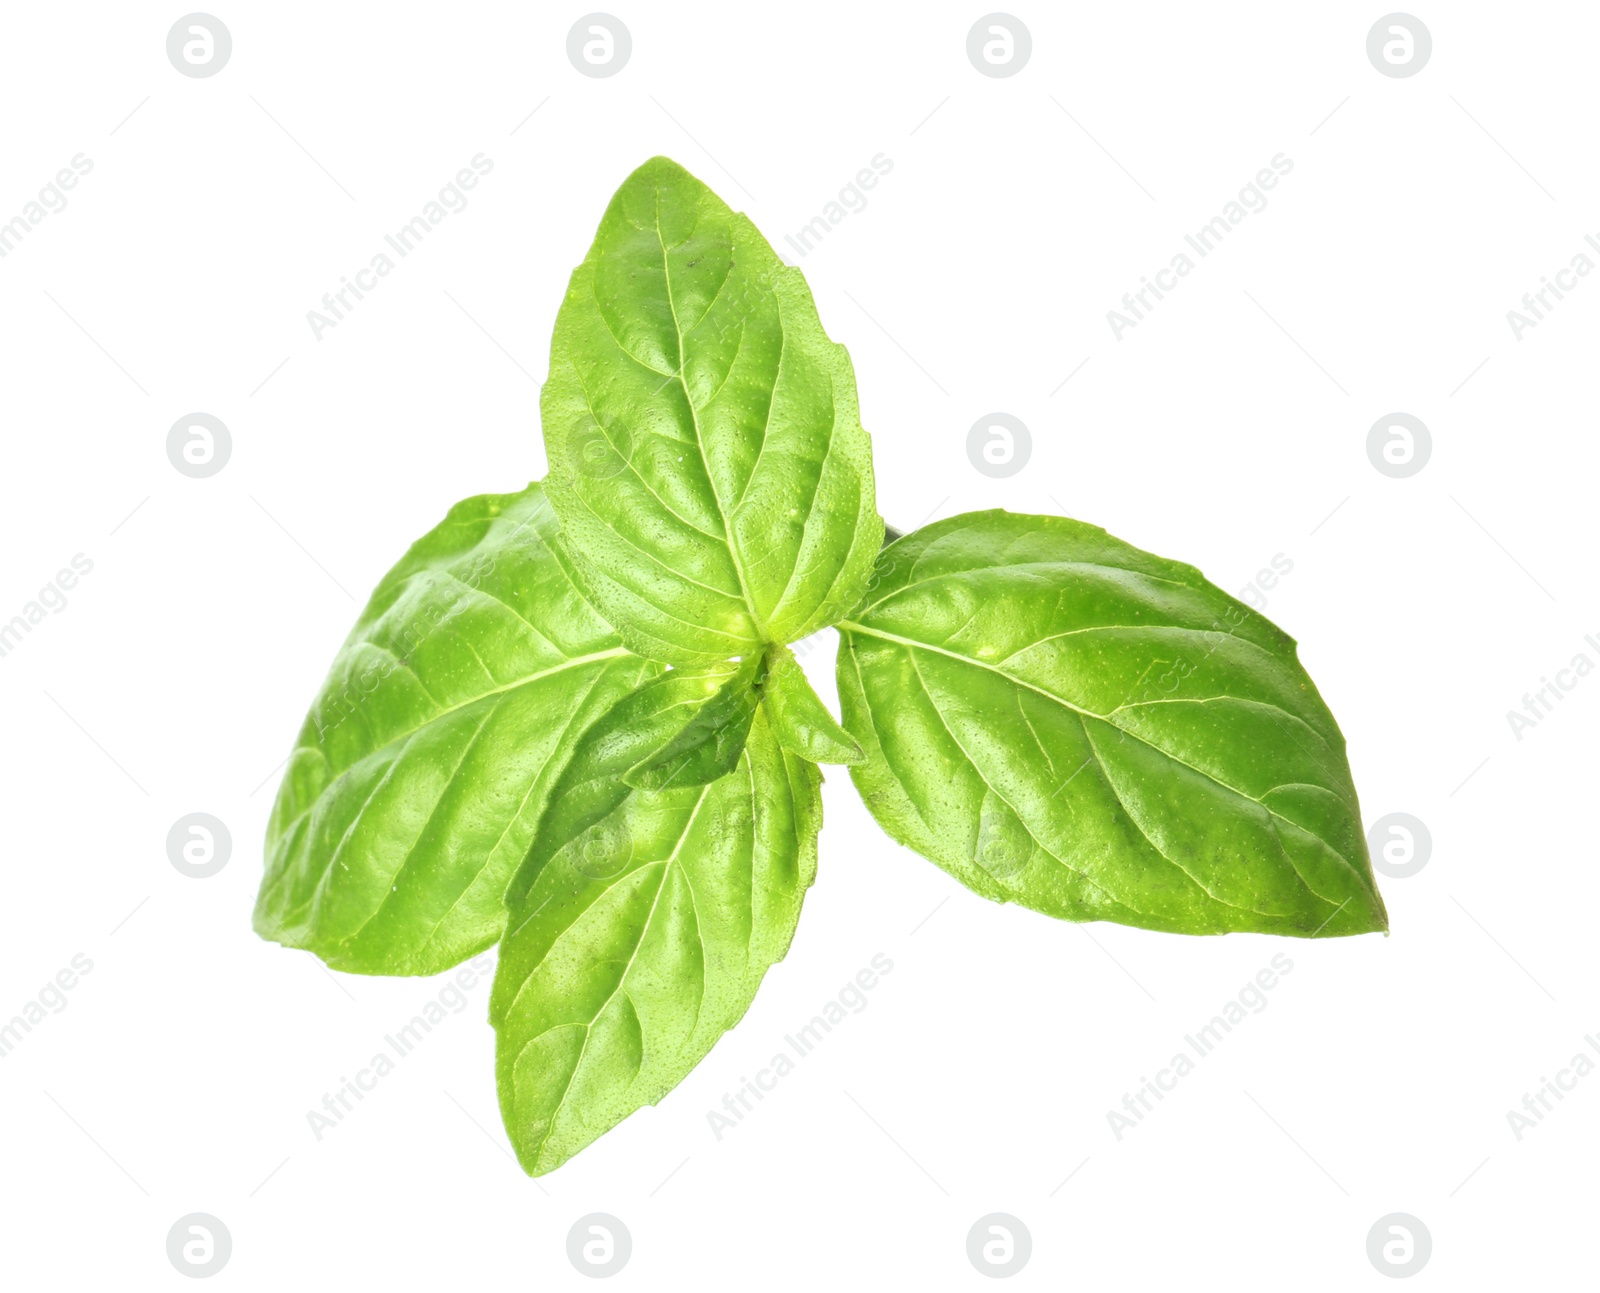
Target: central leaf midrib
{"points": [[1127, 810], [855, 626], [622, 979], [573, 662], [511, 820], [694, 417], [288, 827]]}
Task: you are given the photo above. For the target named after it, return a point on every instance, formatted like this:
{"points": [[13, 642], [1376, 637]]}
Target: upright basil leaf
{"points": [[428, 755], [641, 926], [1063, 721], [716, 706], [799, 718], [706, 453]]}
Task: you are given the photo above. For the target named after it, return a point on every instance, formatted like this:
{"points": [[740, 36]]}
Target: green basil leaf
{"points": [[706, 453], [1063, 721], [641, 926], [716, 705], [799, 718], [413, 790]]}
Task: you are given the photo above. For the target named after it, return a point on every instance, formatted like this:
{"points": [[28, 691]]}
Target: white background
{"points": [[978, 277]]}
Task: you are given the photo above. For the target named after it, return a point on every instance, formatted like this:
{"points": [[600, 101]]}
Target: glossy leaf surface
{"points": [[641, 926], [1064, 721], [799, 718], [412, 793], [706, 453], [705, 727]]}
